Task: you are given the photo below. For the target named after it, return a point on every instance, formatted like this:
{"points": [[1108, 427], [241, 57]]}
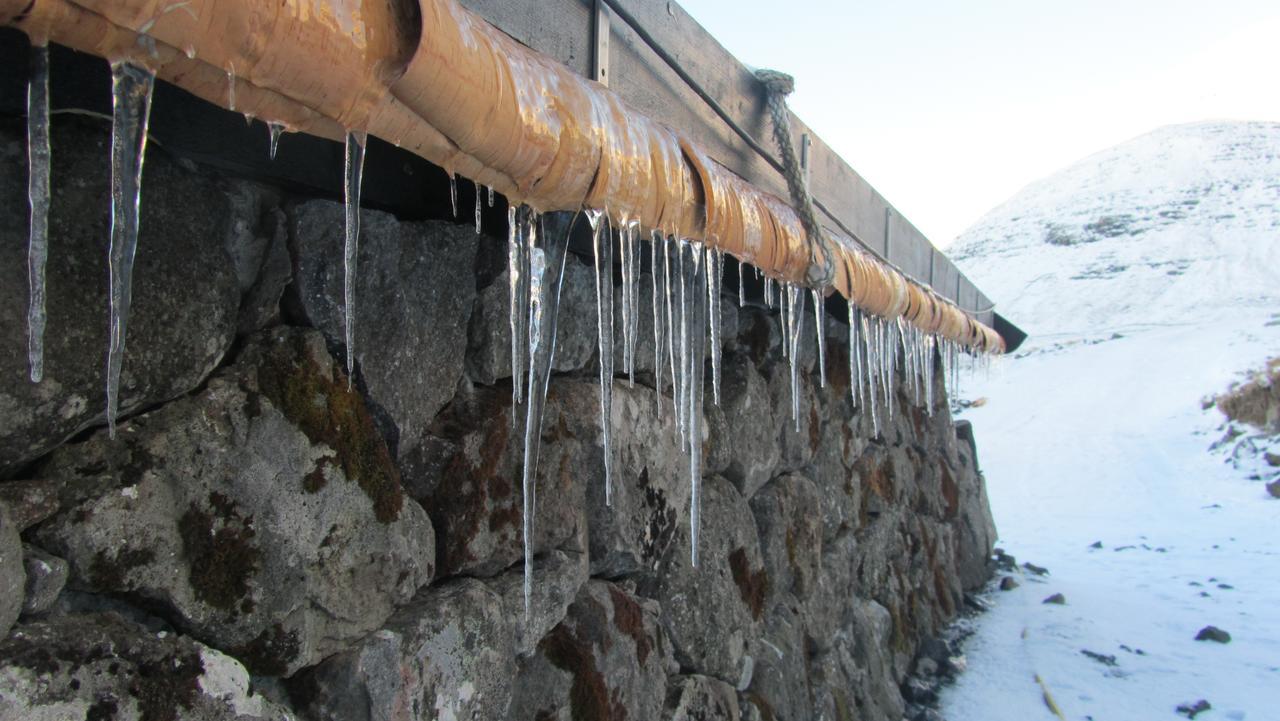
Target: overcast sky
{"points": [[948, 108]]}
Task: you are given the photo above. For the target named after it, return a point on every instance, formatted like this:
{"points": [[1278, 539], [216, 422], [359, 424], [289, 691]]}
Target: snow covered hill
{"points": [[1148, 276], [1169, 228]]}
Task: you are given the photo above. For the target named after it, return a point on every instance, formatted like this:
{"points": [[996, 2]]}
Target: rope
{"points": [[777, 87]]}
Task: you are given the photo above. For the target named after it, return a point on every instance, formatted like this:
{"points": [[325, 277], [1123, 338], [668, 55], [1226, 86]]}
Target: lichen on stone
{"points": [[218, 544]]}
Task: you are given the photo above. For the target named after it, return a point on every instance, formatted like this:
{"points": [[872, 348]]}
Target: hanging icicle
{"points": [[131, 88], [453, 193], [603, 246], [669, 283], [871, 359], [795, 308], [546, 273], [354, 170], [656, 294], [38, 156], [713, 271], [520, 227], [696, 329], [274, 131], [477, 209], [490, 196], [682, 310], [742, 287], [820, 321]]}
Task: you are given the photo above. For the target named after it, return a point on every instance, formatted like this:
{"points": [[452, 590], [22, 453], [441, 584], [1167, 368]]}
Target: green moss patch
{"points": [[331, 414]]}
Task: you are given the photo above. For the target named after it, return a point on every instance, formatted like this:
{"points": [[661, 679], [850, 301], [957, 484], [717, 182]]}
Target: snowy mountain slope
{"points": [[1168, 228], [1097, 436]]}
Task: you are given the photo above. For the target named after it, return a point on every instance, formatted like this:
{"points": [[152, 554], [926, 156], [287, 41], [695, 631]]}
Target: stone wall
{"points": [[261, 541]]}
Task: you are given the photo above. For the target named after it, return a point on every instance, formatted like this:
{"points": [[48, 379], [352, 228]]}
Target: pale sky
{"points": [[949, 108]]}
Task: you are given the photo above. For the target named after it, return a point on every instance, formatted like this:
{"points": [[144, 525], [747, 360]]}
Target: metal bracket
{"points": [[600, 55], [806, 151]]}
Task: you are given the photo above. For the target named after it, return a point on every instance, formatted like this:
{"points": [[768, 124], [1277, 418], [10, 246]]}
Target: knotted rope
{"points": [[777, 87]]}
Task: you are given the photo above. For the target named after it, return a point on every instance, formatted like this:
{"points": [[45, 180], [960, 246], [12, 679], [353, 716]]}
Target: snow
{"points": [[1095, 432]]}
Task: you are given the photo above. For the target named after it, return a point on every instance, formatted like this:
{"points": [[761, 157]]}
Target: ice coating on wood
{"points": [[603, 247], [547, 254], [352, 175], [38, 195], [131, 88]]}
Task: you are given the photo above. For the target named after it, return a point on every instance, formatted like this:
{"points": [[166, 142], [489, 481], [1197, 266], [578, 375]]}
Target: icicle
{"points": [[131, 88], [490, 196], [518, 229], [768, 293], [683, 376], [784, 320], [603, 246], [477, 210], [668, 283], [453, 192], [546, 272], [855, 380], [742, 287], [795, 307], [696, 328], [870, 358], [659, 329], [624, 256], [819, 315], [231, 87], [352, 177], [713, 270], [633, 332], [275, 129], [38, 194]]}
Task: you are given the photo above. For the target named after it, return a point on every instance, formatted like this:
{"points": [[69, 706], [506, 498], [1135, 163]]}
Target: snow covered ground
{"points": [[1097, 434]]}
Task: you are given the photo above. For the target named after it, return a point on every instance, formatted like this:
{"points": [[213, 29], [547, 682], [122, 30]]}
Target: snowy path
{"points": [[1107, 442]]}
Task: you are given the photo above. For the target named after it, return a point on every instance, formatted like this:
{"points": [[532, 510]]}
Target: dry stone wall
{"points": [[261, 541]]}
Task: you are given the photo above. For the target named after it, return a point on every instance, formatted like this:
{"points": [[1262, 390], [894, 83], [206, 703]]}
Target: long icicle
{"points": [[131, 88], [477, 185], [659, 328], [518, 291], [712, 271], [682, 378], [546, 273], [795, 306], [819, 315], [870, 358], [742, 287], [855, 382], [603, 247], [38, 156], [354, 170], [696, 328], [669, 282]]}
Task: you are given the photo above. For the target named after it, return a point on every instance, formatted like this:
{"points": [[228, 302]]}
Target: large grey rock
{"points": [[779, 682], [473, 461], [752, 427], [184, 290], [790, 525], [975, 528], [414, 293], [558, 576], [13, 577], [489, 336], [700, 698], [798, 435], [712, 612], [257, 240], [448, 654], [46, 577], [607, 660], [263, 515], [100, 666]]}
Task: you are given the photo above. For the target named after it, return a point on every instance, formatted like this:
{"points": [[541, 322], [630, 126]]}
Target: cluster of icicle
{"points": [[685, 303]]}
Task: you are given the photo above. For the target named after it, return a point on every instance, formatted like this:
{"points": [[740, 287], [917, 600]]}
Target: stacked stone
{"points": [[262, 541]]}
